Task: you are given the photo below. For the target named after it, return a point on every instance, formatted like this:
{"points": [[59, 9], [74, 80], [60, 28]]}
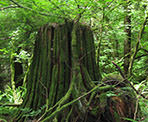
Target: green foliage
{"points": [[111, 94], [143, 103], [31, 113], [7, 110], [130, 120], [22, 56], [8, 96], [19, 26], [8, 103]]}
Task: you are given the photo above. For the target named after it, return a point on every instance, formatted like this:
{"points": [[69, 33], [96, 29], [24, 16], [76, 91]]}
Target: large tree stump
{"points": [[63, 68]]}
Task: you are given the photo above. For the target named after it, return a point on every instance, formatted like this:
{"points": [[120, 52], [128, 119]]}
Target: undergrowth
{"points": [[9, 105]]}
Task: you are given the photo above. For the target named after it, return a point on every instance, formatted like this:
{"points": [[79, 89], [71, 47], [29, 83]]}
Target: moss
{"points": [[114, 79]]}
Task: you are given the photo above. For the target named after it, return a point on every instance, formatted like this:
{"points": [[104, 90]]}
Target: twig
{"points": [[60, 9], [141, 56], [16, 4], [9, 105], [57, 7], [127, 80], [11, 6], [119, 70], [78, 17], [144, 50], [136, 109]]}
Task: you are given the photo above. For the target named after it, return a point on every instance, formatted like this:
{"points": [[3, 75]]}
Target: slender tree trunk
{"points": [[127, 41]]}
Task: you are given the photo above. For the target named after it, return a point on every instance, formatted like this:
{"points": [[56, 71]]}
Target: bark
{"points": [[57, 60], [127, 41], [60, 81]]}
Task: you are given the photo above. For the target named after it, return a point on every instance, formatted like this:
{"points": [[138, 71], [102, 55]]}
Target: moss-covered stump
{"points": [[60, 85], [64, 57]]}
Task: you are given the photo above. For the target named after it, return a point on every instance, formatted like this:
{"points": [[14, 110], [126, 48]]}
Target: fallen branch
{"points": [[119, 69]]}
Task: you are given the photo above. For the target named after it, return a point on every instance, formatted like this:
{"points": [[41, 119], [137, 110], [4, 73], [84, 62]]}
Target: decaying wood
{"points": [[60, 79]]}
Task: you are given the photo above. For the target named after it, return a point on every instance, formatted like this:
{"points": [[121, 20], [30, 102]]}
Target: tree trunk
{"points": [[56, 57], [127, 41], [61, 74]]}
